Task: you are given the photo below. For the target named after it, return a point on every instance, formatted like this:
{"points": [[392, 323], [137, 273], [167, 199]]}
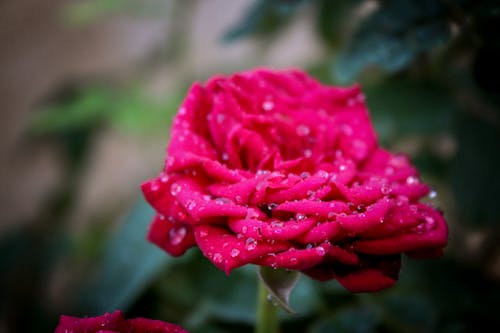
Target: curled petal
{"points": [[172, 236]]}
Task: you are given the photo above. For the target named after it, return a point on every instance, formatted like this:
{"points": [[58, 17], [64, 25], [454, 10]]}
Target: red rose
{"points": [[275, 169], [114, 323]]}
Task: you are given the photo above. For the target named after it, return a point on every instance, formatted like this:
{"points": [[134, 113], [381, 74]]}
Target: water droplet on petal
{"points": [[300, 217], [217, 258], [320, 250], [431, 223], [411, 180], [267, 105], [303, 130], [385, 189], [331, 215], [164, 179], [203, 233], [225, 156], [191, 204], [305, 175], [177, 234], [309, 246], [235, 252], [293, 261], [432, 194], [250, 244], [220, 118], [307, 153], [175, 189]]}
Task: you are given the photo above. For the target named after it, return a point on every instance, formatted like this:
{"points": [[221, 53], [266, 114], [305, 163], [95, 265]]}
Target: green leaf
{"points": [[357, 319], [128, 265], [87, 12], [332, 18], [263, 18], [392, 36], [475, 175], [409, 107], [83, 110], [279, 283]]}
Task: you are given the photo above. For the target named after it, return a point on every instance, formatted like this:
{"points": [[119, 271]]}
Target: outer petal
{"points": [[173, 237], [227, 251]]}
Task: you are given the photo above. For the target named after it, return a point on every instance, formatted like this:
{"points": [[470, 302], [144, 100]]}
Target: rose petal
{"points": [[172, 236], [297, 259], [227, 251], [372, 217], [435, 236]]}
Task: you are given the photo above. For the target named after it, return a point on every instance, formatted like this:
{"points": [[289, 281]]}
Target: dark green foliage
{"points": [[264, 18], [392, 37]]}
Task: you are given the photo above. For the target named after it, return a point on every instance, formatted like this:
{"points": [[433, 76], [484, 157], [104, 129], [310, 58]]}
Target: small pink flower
{"points": [[114, 323], [272, 168]]}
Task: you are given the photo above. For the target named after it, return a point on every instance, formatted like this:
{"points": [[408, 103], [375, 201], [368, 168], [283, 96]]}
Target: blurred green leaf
{"points": [[409, 312], [392, 36], [332, 18], [264, 18], [356, 319], [129, 109], [84, 110], [128, 265], [87, 12], [409, 107], [475, 173]]}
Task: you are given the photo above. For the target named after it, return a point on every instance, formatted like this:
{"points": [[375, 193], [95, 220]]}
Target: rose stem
{"points": [[267, 313]]}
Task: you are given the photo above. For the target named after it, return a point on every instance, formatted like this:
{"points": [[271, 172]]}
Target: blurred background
{"points": [[87, 93]]}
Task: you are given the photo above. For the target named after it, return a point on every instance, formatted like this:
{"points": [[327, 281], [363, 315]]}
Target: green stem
{"points": [[267, 313]]}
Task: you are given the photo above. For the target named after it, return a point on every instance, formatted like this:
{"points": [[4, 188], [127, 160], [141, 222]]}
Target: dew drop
{"points": [[331, 215], [271, 206], [250, 244], [217, 257], [220, 118], [154, 187], [323, 174], [307, 153], [293, 261], [164, 179], [385, 189], [175, 189], [177, 234], [320, 250], [305, 175], [191, 204], [235, 252], [202, 233], [244, 229], [342, 167], [411, 180], [432, 194], [225, 156], [267, 105], [182, 111], [309, 246], [303, 130], [431, 223], [300, 217]]}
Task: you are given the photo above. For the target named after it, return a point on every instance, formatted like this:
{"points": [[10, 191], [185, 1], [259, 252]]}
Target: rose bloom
{"points": [[114, 323], [275, 169]]}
